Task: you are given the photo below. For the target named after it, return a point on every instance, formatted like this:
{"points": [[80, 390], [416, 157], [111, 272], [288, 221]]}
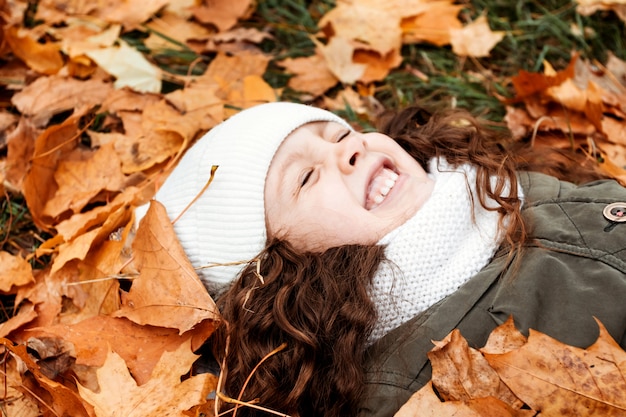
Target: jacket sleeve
{"points": [[572, 270]]}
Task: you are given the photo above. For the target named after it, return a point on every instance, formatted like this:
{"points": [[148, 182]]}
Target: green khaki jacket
{"points": [[573, 268]]}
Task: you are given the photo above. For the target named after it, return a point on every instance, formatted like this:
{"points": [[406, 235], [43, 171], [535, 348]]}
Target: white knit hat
{"points": [[227, 223]]}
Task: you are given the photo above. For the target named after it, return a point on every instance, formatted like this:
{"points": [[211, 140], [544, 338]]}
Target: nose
{"points": [[349, 151]]}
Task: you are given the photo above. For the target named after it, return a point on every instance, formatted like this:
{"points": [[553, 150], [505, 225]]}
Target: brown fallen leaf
{"points": [[461, 373], [504, 338], [7, 121], [224, 14], [556, 379], [425, 403], [588, 7], [433, 25], [173, 26], [15, 271], [163, 394], [377, 66], [129, 13], [227, 70], [81, 35], [24, 315], [310, 74], [56, 397], [370, 24], [529, 83], [44, 57], [168, 292], [141, 149], [199, 100], [17, 403], [20, 148], [51, 146], [47, 96], [86, 181], [338, 54], [250, 91], [78, 248], [141, 347], [81, 223]]}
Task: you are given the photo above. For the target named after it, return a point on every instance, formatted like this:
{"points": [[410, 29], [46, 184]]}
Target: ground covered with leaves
{"points": [[100, 100]]}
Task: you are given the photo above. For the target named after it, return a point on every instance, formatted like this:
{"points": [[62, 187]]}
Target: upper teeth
{"points": [[380, 187]]}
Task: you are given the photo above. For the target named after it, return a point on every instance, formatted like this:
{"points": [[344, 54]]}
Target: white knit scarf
{"points": [[442, 246]]}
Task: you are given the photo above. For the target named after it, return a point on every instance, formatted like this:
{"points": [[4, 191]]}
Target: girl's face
{"points": [[329, 186]]}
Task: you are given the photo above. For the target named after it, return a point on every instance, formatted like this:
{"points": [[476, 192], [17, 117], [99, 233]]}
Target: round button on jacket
{"points": [[615, 212]]}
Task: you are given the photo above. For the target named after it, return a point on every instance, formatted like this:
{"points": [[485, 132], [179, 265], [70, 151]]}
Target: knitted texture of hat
{"points": [[227, 222], [432, 254]]}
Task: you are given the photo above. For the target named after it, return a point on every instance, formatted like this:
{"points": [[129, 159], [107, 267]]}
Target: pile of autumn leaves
{"points": [[109, 326]]}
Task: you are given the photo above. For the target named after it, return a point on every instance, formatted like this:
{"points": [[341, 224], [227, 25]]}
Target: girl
{"points": [[355, 250]]}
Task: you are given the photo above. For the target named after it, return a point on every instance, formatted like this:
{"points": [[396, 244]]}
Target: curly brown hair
{"points": [[318, 303]]}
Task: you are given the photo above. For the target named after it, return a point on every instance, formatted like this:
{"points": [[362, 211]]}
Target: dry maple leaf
{"points": [[338, 55], [168, 292], [163, 395], [139, 346], [25, 314], [250, 91], [377, 66], [14, 271], [20, 148], [425, 403], [227, 69], [129, 66], [504, 338], [369, 24], [461, 373], [222, 13], [80, 182], [58, 398], [17, 403], [476, 39], [200, 100], [54, 144], [588, 7], [47, 96], [173, 26], [79, 247], [310, 74], [432, 25], [44, 58], [556, 379], [129, 13]]}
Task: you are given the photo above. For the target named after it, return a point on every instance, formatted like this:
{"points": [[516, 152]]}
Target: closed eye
{"points": [[305, 178], [344, 134]]}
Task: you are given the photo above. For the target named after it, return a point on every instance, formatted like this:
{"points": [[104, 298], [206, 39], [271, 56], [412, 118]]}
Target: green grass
{"points": [[536, 31]]}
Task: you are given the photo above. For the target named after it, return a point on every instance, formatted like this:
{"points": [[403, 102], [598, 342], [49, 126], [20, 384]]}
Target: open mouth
{"points": [[379, 187]]}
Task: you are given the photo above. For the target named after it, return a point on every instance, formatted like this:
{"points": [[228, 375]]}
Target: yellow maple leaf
{"points": [[588, 7], [14, 271], [371, 25], [129, 66], [311, 74], [163, 395], [433, 24], [338, 54], [476, 39]]}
